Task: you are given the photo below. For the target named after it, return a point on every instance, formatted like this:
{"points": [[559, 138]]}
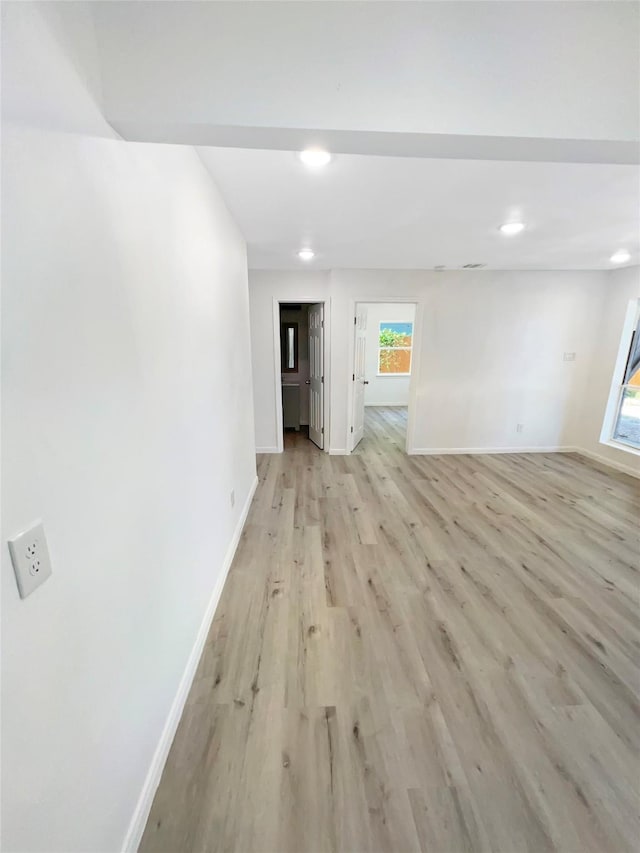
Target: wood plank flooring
{"points": [[417, 654]]}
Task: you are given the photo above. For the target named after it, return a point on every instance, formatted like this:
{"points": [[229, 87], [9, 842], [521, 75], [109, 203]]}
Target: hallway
{"points": [[251, 253], [417, 653]]}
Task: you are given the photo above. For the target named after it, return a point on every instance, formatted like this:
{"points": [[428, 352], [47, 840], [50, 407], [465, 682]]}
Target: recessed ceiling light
{"points": [[511, 228], [620, 257], [306, 254], [315, 158]]}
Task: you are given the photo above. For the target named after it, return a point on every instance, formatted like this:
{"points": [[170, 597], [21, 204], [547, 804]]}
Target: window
{"points": [[394, 349], [626, 428], [289, 347]]}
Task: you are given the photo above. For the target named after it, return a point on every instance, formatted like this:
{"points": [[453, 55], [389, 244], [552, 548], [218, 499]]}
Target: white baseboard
{"points": [[480, 451], [603, 460], [389, 405], [145, 801], [267, 450], [338, 451]]}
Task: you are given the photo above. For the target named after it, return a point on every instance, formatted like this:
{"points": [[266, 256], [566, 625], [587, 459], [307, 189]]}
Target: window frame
{"points": [[630, 328], [386, 325]]}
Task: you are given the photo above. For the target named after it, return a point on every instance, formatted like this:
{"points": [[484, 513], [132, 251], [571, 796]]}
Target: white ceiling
{"points": [[447, 118], [552, 70], [413, 213]]}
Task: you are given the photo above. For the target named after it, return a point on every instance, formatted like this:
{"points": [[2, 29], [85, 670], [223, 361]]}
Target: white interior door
{"points": [[316, 374], [359, 378]]}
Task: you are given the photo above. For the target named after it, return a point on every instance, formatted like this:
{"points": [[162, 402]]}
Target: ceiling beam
{"points": [[385, 144]]}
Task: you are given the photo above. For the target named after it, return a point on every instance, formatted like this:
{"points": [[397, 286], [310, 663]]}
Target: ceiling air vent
{"points": [[473, 266]]}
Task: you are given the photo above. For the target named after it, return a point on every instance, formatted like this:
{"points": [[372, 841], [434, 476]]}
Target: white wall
{"points": [[386, 390], [621, 286], [490, 348], [126, 422], [490, 351]]}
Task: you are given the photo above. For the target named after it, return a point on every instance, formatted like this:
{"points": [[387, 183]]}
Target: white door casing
{"points": [[359, 377], [316, 374]]}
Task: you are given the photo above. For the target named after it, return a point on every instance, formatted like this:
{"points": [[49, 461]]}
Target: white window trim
{"points": [[617, 388]]}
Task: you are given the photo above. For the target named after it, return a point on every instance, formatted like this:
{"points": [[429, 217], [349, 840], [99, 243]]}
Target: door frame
{"points": [[416, 348], [326, 343]]}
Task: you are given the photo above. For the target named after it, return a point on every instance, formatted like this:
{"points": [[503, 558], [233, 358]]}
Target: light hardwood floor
{"points": [[417, 653]]}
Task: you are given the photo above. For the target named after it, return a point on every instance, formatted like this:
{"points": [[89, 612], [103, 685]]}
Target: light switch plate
{"points": [[30, 558]]}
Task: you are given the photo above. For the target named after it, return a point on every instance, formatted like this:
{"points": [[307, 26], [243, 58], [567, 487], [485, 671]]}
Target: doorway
{"points": [[300, 393], [382, 379]]}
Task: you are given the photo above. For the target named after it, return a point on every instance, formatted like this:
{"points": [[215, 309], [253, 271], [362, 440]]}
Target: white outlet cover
{"points": [[30, 558]]}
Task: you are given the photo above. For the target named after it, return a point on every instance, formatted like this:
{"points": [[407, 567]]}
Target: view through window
{"points": [[627, 423], [394, 348]]}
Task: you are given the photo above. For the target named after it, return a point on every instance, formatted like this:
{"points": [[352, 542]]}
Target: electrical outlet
{"points": [[233, 497], [519, 427], [30, 558], [569, 356]]}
